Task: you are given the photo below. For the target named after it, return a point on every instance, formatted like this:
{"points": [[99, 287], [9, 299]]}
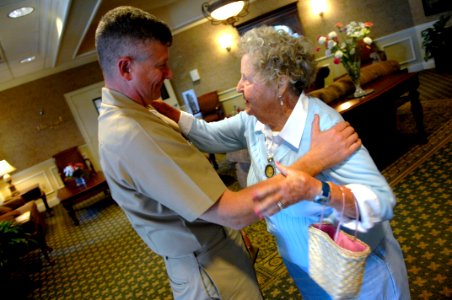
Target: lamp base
{"points": [[13, 190]]}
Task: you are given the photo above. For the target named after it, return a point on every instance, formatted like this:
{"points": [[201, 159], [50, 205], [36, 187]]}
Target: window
{"points": [[283, 16]]}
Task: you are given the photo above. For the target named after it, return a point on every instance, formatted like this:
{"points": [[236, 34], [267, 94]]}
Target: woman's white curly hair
{"points": [[276, 53]]}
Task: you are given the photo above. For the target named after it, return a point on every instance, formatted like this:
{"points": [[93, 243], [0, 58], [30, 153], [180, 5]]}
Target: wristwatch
{"points": [[324, 196]]}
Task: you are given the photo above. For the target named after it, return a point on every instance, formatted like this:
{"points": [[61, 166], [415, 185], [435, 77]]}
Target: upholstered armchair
{"points": [[211, 110], [210, 107], [26, 214]]}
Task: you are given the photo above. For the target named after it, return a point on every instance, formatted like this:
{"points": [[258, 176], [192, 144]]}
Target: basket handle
{"points": [[342, 214]]}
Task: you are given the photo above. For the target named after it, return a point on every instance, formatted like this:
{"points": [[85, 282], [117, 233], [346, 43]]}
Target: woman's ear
{"points": [[283, 84], [124, 67]]}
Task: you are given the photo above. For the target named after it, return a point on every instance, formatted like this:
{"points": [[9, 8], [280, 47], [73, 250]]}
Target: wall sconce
{"points": [[319, 7], [5, 169], [225, 41], [224, 11]]}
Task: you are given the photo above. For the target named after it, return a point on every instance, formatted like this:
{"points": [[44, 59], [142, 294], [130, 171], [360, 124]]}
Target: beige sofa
{"points": [[343, 86]]}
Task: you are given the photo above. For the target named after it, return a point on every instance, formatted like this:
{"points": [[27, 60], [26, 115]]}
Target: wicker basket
{"points": [[337, 270]]}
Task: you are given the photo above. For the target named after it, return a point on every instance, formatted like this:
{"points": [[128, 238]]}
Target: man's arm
{"points": [[328, 147], [239, 209], [296, 183]]}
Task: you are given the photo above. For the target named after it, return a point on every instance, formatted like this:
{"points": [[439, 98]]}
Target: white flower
{"points": [[332, 35], [338, 54], [367, 40], [331, 44], [68, 171], [321, 40]]}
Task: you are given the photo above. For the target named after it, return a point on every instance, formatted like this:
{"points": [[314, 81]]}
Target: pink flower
{"points": [[337, 61]]}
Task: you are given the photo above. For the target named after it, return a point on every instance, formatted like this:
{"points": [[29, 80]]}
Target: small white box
{"points": [[194, 75]]}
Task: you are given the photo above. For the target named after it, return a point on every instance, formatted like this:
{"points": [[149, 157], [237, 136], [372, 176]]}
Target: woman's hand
{"points": [[166, 109], [295, 187]]}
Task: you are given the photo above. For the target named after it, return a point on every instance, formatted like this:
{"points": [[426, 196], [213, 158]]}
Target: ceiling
{"points": [[60, 33]]}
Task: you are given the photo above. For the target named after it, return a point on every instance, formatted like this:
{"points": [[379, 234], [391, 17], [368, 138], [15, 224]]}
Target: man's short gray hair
{"points": [[122, 30]]}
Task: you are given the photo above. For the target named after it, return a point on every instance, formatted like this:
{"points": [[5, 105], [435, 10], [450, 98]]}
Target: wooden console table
{"points": [[374, 116], [70, 196], [34, 192]]}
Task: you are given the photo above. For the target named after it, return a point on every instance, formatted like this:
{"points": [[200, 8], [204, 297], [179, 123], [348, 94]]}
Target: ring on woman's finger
{"points": [[280, 205]]}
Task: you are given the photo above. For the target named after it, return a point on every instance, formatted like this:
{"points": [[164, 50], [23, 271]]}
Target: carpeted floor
{"points": [[103, 258]]}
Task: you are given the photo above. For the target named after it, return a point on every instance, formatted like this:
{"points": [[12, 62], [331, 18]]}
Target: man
{"points": [[172, 196]]}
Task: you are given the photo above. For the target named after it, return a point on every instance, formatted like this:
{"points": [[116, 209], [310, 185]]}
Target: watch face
{"points": [[324, 197], [322, 200]]}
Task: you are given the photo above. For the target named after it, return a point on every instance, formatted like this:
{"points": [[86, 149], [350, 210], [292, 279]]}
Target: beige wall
{"points": [[21, 143], [198, 48], [24, 146]]}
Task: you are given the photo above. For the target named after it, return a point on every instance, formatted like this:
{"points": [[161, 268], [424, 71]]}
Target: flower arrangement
{"points": [[75, 171], [345, 48]]}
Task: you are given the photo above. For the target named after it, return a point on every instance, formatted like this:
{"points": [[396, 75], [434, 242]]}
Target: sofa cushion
{"points": [[344, 85], [333, 91], [377, 70], [4, 210]]}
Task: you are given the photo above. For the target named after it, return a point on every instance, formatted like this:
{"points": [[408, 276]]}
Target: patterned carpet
{"points": [[103, 258], [422, 224]]}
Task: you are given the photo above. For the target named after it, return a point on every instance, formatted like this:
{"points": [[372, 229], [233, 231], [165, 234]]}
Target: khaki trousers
{"points": [[223, 270]]}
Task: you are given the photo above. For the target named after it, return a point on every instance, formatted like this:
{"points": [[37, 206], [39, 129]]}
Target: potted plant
{"points": [[436, 42], [14, 242]]}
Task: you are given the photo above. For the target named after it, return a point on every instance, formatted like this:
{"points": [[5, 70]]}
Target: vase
{"points": [[353, 67], [79, 181]]}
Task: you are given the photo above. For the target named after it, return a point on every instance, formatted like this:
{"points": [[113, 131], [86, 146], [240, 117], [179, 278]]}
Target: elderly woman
{"points": [[276, 68]]}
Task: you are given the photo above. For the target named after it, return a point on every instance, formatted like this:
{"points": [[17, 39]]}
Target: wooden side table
{"points": [[374, 116], [69, 196], [34, 192]]}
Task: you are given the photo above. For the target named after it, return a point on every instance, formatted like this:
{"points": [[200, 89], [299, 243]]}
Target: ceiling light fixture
{"points": [[21, 12], [28, 59], [225, 12]]}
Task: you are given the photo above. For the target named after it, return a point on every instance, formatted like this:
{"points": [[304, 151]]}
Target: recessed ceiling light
{"points": [[20, 12], [28, 59]]}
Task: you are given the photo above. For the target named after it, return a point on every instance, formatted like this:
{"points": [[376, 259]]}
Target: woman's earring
{"points": [[281, 100]]}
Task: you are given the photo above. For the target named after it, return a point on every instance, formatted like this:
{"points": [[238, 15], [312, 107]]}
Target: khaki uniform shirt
{"points": [[159, 179]]}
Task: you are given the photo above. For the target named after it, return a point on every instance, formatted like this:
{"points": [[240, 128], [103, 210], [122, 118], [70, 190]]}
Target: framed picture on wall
{"points": [[285, 16], [97, 102], [191, 102], [433, 7]]}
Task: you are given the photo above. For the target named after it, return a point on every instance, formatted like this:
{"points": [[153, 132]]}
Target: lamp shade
{"points": [[6, 168], [225, 11]]}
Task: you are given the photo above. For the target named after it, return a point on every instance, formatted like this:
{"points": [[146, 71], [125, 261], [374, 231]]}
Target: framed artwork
{"points": [[97, 102], [168, 95], [286, 16], [433, 7], [191, 102]]}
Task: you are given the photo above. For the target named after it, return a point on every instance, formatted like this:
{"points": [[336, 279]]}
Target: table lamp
{"points": [[5, 169]]}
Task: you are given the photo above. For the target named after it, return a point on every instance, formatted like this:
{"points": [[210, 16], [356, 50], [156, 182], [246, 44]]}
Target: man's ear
{"points": [[124, 68]]}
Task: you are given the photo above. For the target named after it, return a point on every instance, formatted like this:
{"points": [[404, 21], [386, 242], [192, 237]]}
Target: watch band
{"points": [[325, 195]]}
